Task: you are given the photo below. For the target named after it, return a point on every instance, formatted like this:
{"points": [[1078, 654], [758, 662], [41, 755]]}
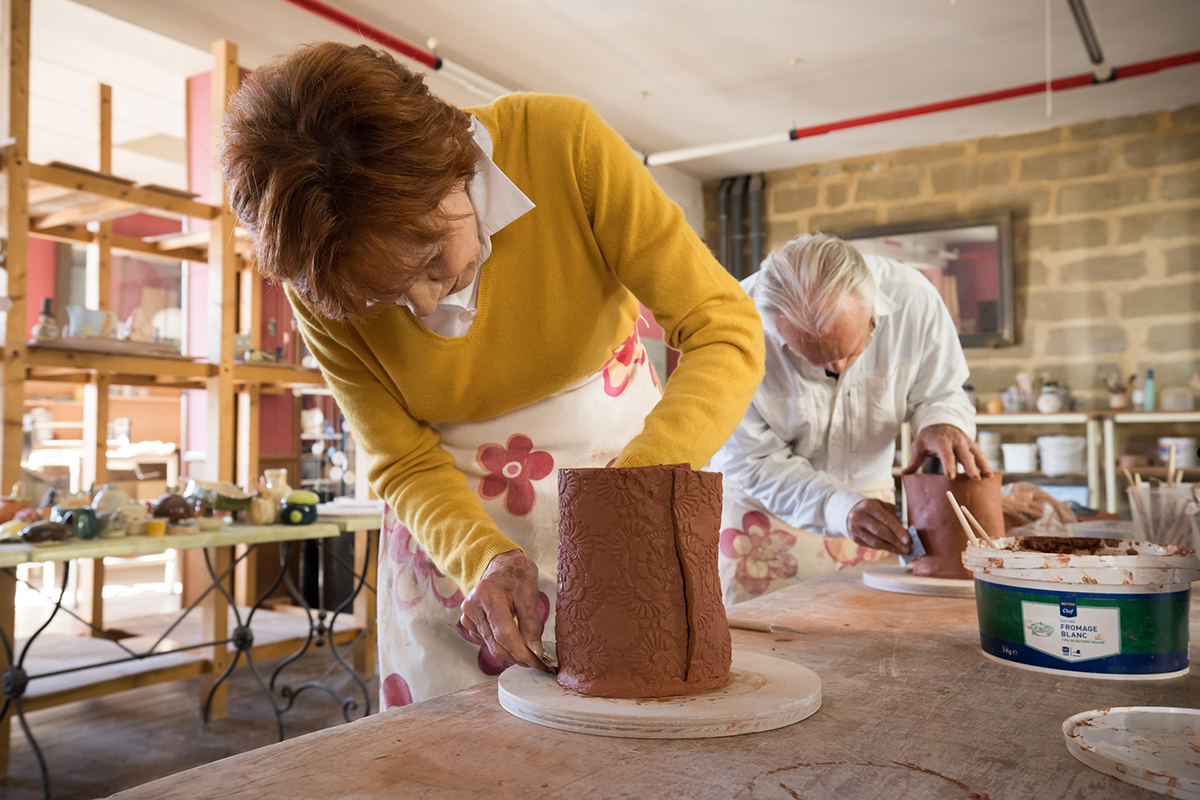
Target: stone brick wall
{"points": [[1106, 237]]}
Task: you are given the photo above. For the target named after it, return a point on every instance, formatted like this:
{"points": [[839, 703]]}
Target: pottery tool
{"points": [[979, 529], [918, 547], [546, 655], [1171, 467], [744, 624], [971, 537]]}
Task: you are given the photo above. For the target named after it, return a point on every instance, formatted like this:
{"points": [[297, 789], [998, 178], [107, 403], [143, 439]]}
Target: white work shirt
{"points": [[809, 444], [497, 202]]}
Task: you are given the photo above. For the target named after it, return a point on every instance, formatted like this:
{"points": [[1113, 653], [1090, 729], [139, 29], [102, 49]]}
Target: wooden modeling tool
{"points": [[971, 537], [979, 529]]}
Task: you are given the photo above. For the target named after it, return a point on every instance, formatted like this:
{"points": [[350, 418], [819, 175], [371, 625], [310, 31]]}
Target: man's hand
{"points": [[507, 590], [873, 523], [949, 444]]}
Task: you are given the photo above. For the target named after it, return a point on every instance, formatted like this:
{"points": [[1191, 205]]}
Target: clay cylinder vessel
{"points": [[639, 610], [930, 513]]}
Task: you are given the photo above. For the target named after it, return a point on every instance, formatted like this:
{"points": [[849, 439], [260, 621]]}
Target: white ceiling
{"points": [[666, 73]]}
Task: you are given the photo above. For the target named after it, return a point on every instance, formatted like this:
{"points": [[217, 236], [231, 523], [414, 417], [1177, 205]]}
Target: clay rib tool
{"points": [[918, 547], [548, 657], [762, 627]]}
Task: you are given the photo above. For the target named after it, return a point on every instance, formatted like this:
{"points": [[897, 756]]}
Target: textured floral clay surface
{"points": [[639, 595]]}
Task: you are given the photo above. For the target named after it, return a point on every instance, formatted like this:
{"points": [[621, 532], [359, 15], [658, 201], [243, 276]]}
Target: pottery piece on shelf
{"points": [[45, 531], [277, 484], [12, 529], [111, 497], [46, 328], [300, 508], [262, 506], [173, 507], [81, 520]]}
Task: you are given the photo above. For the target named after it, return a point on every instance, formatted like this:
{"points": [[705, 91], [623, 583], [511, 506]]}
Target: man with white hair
{"points": [[855, 347]]}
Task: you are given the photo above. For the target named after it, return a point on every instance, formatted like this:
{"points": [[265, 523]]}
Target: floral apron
{"points": [[511, 462], [761, 554]]}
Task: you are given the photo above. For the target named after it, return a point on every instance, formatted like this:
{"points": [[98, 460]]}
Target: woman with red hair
{"points": [[468, 281]]}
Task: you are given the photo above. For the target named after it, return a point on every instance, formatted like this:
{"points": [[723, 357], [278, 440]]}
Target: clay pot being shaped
{"points": [[929, 511]]}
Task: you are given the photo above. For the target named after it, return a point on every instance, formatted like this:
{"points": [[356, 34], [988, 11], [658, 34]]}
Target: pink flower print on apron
{"points": [[511, 463]]}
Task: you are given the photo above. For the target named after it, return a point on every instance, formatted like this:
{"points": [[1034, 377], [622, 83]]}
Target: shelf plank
{"points": [[115, 189], [1065, 418], [48, 361], [279, 374], [1133, 417]]}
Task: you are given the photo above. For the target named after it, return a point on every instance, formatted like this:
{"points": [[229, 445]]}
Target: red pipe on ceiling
{"points": [[1072, 82], [368, 31]]}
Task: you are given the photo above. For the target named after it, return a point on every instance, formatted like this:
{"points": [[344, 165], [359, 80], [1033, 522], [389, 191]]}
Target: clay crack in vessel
{"points": [[639, 595]]}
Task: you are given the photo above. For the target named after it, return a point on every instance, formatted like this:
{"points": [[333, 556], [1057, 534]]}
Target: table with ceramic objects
{"points": [[208, 638], [910, 708]]}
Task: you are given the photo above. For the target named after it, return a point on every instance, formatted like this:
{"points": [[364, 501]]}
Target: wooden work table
{"points": [[910, 709]]}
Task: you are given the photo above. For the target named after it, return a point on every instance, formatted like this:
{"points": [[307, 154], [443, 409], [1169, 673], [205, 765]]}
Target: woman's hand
{"points": [[502, 610]]}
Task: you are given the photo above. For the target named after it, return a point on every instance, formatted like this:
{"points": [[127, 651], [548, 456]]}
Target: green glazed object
{"points": [[299, 513], [301, 496], [81, 521]]}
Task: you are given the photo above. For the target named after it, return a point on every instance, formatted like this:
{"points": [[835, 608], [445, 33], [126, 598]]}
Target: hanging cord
{"points": [[1049, 80]]}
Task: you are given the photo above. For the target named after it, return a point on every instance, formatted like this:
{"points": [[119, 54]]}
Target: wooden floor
{"points": [[97, 747]]}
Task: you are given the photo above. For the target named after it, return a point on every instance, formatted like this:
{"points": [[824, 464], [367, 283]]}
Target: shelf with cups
{"points": [[1026, 452], [1121, 426]]}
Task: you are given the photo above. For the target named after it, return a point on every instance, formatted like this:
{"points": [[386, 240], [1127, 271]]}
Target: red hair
{"points": [[336, 159]]}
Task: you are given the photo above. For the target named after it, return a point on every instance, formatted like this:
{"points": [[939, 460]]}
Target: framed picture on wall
{"points": [[968, 260]]}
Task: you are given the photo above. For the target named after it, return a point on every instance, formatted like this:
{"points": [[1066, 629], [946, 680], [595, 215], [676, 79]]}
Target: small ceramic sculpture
{"points": [[277, 483], [46, 328], [262, 506], [300, 508], [9, 506], [111, 497]]}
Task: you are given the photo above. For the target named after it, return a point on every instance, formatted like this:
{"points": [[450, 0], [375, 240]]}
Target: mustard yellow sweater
{"points": [[557, 295]]}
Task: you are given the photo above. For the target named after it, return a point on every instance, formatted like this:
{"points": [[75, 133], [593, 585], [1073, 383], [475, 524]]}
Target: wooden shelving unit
{"points": [[78, 204]]}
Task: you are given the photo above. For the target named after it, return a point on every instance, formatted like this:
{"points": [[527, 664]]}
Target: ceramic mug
{"points": [[83, 321], [82, 521]]}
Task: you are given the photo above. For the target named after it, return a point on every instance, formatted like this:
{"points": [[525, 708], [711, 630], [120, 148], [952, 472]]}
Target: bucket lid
{"points": [[1033, 553]]}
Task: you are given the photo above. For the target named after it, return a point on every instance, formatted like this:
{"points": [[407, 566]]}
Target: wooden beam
{"points": [[16, 16], [91, 595], [95, 430], [98, 276], [365, 602]]}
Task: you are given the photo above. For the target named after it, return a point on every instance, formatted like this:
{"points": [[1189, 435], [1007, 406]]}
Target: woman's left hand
{"points": [[502, 609]]}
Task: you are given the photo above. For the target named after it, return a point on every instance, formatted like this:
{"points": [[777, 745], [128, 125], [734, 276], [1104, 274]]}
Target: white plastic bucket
{"points": [[1185, 451], [1062, 455], [1020, 457], [1114, 609]]}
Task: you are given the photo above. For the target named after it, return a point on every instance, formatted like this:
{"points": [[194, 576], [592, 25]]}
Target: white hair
{"points": [[808, 280]]}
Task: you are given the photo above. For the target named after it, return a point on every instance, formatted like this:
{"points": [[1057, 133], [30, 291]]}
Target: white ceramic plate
{"points": [[1155, 748]]}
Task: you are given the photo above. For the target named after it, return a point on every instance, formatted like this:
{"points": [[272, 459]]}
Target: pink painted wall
{"points": [[39, 281]]}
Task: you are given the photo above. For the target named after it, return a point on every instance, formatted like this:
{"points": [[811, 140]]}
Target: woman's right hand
{"points": [[502, 610]]}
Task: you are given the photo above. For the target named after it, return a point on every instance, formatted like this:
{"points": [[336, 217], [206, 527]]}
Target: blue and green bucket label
{"points": [[1082, 632]]}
